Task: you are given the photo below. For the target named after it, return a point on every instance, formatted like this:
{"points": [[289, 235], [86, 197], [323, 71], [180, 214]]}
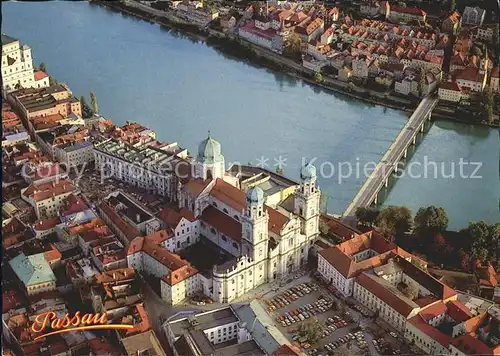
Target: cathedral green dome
{"points": [[209, 151], [308, 172], [255, 195]]}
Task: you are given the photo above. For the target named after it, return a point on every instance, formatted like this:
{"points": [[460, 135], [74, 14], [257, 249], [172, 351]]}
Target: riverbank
{"points": [[236, 47]]}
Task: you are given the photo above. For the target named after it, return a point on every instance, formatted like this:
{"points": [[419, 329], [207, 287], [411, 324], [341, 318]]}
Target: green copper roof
{"points": [[209, 151], [33, 269], [7, 39]]}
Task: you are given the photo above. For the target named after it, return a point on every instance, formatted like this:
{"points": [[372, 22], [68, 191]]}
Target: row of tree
{"points": [[89, 111], [427, 233]]}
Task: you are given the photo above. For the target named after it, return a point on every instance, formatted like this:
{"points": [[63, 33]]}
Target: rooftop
{"points": [[7, 39], [204, 321], [32, 270]]}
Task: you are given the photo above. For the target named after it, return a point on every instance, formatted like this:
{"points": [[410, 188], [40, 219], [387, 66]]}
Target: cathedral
{"points": [[265, 221]]}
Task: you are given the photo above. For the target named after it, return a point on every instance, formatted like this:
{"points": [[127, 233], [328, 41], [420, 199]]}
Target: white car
{"points": [[393, 334]]}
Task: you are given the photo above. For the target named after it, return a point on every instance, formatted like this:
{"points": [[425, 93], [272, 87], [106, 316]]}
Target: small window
{"points": [[224, 238], [225, 211], [212, 230]]}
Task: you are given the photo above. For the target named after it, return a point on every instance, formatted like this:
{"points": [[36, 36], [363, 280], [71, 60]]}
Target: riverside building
{"points": [[262, 222]]}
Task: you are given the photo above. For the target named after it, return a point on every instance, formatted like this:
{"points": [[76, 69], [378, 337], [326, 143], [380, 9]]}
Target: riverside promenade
{"points": [[397, 151]]}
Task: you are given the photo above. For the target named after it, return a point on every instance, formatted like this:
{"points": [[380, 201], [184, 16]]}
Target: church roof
{"points": [[223, 223], [209, 151]]}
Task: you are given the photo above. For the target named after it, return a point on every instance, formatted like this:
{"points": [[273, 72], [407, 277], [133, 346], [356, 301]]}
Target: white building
{"points": [[47, 198], [245, 328], [472, 78], [76, 154], [266, 243], [494, 81], [17, 65], [145, 166], [450, 91], [182, 228], [473, 16]]}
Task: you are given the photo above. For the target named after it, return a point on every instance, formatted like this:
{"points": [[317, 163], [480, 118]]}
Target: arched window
{"points": [[301, 212], [235, 245], [209, 174], [225, 211], [178, 244], [212, 230], [224, 238], [236, 217], [214, 204]]}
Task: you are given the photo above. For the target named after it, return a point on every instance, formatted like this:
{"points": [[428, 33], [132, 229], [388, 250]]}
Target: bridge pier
{"points": [[405, 153], [386, 183], [415, 140], [422, 127]]}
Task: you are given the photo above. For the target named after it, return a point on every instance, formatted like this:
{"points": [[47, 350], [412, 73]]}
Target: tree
{"points": [[430, 221], [318, 77], [394, 221], [86, 110], [323, 202], [464, 260], [367, 216], [52, 80], [410, 291], [312, 330], [453, 5], [280, 171], [488, 102], [293, 46], [42, 67], [324, 229], [93, 102]]}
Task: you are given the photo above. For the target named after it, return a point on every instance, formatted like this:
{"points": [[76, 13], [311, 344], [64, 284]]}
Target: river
{"points": [[182, 89]]}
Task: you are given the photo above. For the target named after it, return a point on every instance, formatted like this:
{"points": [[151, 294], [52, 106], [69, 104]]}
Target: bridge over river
{"points": [[397, 151]]}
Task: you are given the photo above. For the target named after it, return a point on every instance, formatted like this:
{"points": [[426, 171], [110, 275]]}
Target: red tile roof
{"points": [[172, 217], [222, 223], [407, 10], [433, 311], [53, 255], [396, 301], [73, 204], [430, 331], [39, 75], [471, 345], [229, 195], [179, 269], [48, 190], [11, 300], [115, 275], [458, 312], [128, 230], [450, 86], [196, 186], [471, 74], [473, 324], [43, 225], [287, 350], [276, 220]]}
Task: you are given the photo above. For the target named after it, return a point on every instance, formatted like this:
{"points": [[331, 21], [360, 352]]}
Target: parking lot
{"points": [[342, 324]]}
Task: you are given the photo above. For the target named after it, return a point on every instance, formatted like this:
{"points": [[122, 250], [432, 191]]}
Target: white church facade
{"points": [[265, 242]]}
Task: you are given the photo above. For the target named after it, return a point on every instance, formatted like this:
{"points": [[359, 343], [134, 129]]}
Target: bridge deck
{"points": [[387, 164]]}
